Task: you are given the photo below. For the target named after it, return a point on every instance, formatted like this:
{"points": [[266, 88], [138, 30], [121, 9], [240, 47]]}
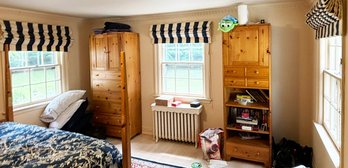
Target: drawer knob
{"points": [[235, 149], [256, 72], [258, 154], [232, 81], [257, 82]]}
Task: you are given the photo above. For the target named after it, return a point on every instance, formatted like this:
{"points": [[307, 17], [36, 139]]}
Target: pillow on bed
{"points": [[66, 115], [59, 104]]}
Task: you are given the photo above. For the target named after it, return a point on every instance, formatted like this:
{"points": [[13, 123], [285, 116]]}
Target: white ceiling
{"points": [[110, 8]]}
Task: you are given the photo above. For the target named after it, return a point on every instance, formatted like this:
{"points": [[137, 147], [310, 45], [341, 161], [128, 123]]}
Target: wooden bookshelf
{"points": [[259, 106], [232, 128]]}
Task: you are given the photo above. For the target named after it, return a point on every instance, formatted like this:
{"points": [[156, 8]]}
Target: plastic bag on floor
{"points": [[211, 143]]}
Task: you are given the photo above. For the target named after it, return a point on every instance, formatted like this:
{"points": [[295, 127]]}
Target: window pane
{"points": [[168, 70], [197, 54], [21, 95], [184, 52], [196, 87], [20, 77], [182, 86], [33, 58], [53, 73], [169, 52], [168, 85], [49, 58], [182, 71], [52, 89], [196, 71], [37, 75], [38, 91], [17, 59]]}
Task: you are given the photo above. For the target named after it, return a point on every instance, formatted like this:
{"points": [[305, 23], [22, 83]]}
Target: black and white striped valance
{"points": [[24, 36], [326, 18], [187, 32]]}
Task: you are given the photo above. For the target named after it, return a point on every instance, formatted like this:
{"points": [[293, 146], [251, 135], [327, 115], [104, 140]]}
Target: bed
{"points": [[33, 146]]}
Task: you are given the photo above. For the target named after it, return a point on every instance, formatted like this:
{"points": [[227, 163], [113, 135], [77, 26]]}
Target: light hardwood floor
{"points": [[175, 153]]}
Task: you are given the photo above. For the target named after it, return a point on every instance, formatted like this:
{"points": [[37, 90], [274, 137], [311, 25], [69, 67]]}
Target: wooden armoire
{"points": [[105, 72], [247, 73]]}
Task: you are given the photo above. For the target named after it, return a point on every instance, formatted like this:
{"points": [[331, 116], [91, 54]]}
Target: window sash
{"points": [[55, 83], [159, 51], [332, 106]]}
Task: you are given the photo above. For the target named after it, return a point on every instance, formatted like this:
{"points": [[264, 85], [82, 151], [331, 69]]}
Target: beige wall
{"points": [[78, 61], [292, 74]]}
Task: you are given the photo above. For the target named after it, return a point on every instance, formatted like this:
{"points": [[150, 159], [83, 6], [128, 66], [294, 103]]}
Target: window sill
{"points": [[25, 109], [190, 99], [329, 145]]}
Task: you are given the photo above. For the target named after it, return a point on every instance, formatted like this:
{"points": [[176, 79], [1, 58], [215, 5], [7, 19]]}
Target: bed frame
{"points": [[126, 147]]}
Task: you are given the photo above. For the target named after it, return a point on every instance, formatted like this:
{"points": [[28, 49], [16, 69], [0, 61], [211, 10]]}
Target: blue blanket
{"points": [[33, 146]]}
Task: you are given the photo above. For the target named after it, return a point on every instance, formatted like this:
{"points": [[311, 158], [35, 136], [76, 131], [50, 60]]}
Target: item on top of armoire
{"points": [[116, 27], [227, 23]]}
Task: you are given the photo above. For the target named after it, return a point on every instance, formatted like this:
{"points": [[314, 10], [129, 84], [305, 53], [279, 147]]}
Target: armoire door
{"points": [[99, 52]]}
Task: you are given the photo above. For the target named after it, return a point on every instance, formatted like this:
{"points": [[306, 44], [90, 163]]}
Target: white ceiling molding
{"points": [[113, 8]]}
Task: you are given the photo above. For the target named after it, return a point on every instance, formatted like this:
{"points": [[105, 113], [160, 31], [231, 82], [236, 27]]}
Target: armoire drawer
{"points": [[107, 96], [257, 72], [113, 131], [234, 71], [108, 119], [105, 75], [234, 82], [106, 85], [247, 152], [106, 107], [257, 83]]}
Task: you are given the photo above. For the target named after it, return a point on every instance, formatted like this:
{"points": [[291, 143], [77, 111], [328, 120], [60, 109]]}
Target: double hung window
{"points": [[331, 71], [36, 76]]}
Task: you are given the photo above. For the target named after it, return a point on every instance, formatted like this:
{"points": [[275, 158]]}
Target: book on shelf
{"points": [[246, 135], [258, 95], [240, 120]]}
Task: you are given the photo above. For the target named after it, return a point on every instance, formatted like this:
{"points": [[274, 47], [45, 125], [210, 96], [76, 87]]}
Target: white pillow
{"points": [[59, 104], [65, 116]]}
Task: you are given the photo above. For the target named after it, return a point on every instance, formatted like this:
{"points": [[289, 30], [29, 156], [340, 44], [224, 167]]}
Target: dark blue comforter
{"points": [[33, 146]]}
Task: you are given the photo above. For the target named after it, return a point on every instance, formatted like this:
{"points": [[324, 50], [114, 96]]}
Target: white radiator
{"points": [[180, 123]]}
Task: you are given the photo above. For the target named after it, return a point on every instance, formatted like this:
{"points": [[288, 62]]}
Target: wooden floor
{"points": [[175, 153]]}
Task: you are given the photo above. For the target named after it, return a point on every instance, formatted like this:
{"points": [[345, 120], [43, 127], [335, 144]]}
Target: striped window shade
{"points": [[25, 36], [326, 18], [187, 32]]}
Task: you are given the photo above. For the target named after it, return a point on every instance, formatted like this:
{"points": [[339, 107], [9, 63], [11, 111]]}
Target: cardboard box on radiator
{"points": [[164, 100]]}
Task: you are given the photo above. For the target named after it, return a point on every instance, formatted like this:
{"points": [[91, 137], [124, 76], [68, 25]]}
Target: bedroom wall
{"points": [[292, 73], [78, 67]]}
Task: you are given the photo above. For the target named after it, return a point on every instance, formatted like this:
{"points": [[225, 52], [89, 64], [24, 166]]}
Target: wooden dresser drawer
{"points": [[108, 119], [106, 107], [114, 131], [247, 152], [257, 72], [234, 82], [234, 71], [107, 96], [106, 85], [105, 75], [257, 83]]}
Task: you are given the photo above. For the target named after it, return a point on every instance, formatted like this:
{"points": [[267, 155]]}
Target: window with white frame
{"points": [[331, 71], [183, 69], [36, 76]]}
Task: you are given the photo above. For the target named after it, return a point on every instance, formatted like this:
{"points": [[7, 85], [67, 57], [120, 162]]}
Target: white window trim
{"points": [[64, 78], [206, 75], [325, 137]]}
